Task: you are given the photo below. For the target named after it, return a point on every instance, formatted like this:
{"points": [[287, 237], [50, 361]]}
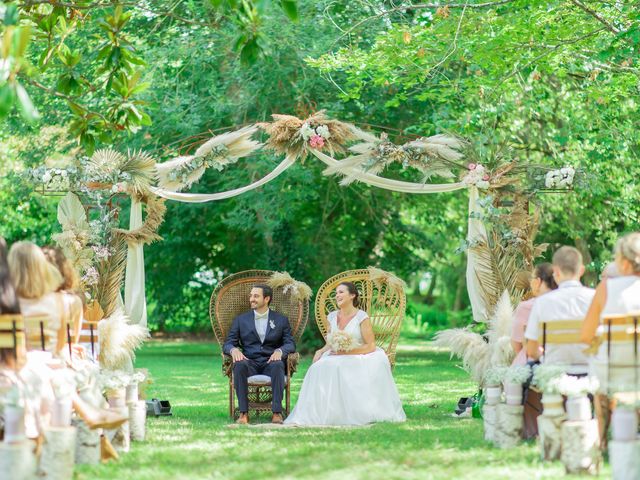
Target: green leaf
{"points": [[22, 40], [28, 110], [11, 15], [290, 8], [7, 97]]}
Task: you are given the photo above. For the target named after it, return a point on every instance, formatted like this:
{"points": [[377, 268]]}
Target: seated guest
{"points": [[616, 296], [540, 282], [569, 302], [69, 291]]}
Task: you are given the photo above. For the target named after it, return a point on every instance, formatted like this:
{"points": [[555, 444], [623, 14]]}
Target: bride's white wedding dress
{"points": [[348, 389]]}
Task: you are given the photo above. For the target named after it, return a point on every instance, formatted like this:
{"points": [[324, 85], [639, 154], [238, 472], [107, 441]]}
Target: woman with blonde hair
{"points": [[615, 296]]}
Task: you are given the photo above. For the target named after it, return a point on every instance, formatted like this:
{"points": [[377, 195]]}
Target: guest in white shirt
{"points": [[569, 302]]}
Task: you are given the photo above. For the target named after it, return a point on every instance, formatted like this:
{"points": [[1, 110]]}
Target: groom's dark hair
{"points": [[267, 291]]}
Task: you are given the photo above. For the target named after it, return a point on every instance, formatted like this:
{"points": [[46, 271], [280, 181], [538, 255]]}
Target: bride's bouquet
{"points": [[341, 341]]}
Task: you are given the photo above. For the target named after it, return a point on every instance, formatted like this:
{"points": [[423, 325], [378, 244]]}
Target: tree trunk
{"points": [[58, 453], [549, 429], [624, 458], [510, 423], [137, 419], [17, 460], [87, 444]]}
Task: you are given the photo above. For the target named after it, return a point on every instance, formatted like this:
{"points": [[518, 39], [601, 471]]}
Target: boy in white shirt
{"points": [[569, 302]]}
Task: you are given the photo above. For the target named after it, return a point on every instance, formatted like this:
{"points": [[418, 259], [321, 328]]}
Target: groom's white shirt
{"points": [[261, 320]]}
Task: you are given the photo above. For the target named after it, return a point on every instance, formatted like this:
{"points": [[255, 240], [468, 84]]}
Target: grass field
{"points": [[197, 442]]}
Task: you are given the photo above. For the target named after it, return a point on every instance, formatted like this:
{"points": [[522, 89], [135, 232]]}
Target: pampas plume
{"points": [[469, 347], [118, 341]]}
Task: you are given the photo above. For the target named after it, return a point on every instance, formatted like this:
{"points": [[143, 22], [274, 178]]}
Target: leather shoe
{"points": [[243, 419], [277, 418]]}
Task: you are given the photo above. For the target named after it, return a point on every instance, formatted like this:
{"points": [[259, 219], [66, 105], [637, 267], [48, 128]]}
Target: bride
{"points": [[353, 387]]}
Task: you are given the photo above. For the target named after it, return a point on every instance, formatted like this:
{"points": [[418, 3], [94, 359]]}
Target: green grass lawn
{"points": [[197, 442]]}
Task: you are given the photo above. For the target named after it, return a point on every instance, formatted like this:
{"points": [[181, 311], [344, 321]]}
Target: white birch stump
{"points": [[17, 461], [549, 429], [137, 420], [489, 417], [581, 447], [120, 437], [87, 444], [58, 452], [510, 422], [624, 458]]}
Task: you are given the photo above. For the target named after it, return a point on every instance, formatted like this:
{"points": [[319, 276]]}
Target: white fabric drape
{"points": [[135, 302], [210, 197], [475, 230], [388, 184]]}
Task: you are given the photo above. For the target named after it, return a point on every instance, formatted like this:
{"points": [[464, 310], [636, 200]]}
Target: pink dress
{"points": [[520, 318]]}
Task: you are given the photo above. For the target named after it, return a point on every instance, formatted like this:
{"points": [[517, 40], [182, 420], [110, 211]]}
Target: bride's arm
{"points": [[320, 352], [369, 340]]}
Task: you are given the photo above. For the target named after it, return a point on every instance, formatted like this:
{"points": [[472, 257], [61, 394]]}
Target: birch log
{"points": [[510, 422], [58, 453], [137, 420], [624, 458], [17, 461], [87, 444], [489, 417], [120, 437], [549, 429], [581, 447]]}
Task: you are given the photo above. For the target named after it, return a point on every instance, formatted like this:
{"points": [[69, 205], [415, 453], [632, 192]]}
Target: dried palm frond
{"points": [[111, 273], [238, 143], [118, 341], [300, 291], [141, 168], [469, 347], [105, 161], [72, 213], [285, 136], [500, 323]]}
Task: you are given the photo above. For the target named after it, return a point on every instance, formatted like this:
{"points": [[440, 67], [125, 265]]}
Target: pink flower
{"points": [[316, 141], [486, 176], [472, 166]]}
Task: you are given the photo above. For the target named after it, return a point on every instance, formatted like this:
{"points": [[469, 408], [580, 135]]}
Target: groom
{"points": [[259, 342]]}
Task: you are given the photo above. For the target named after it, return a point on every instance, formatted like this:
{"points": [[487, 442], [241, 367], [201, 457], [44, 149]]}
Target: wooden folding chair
{"points": [[89, 336], [560, 332], [12, 332]]}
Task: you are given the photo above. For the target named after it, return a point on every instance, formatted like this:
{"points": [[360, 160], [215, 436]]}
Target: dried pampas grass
{"points": [[470, 347], [285, 136], [378, 275], [300, 291], [118, 341]]}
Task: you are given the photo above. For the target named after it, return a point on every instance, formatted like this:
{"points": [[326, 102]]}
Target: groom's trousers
{"points": [[244, 369]]}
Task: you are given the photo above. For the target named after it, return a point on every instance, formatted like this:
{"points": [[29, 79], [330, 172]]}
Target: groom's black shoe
{"points": [[277, 418], [243, 419]]}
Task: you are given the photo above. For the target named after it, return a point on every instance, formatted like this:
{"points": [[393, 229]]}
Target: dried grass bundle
{"points": [[300, 291], [378, 275], [469, 347], [148, 232], [118, 341], [217, 152], [285, 134], [141, 168]]}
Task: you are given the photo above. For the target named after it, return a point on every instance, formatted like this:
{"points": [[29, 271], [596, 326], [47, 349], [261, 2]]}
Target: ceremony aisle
{"points": [[198, 443]]}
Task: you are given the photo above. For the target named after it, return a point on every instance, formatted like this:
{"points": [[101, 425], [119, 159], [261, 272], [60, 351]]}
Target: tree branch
{"points": [[596, 15], [421, 6]]}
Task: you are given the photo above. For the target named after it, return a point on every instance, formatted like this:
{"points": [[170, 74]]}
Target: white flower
{"points": [[323, 131], [341, 341], [46, 178], [114, 189], [483, 184], [306, 131]]}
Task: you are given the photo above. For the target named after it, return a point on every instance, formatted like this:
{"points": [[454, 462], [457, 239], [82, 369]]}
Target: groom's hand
{"points": [[276, 356], [237, 355]]}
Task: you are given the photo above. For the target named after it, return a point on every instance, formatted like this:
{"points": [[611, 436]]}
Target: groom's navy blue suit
{"points": [[243, 335]]}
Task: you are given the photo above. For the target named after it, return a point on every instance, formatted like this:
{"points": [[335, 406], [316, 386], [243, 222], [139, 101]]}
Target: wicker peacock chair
{"points": [[231, 298], [381, 296]]}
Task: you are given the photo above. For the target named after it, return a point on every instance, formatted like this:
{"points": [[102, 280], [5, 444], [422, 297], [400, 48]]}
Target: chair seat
{"points": [[260, 380]]}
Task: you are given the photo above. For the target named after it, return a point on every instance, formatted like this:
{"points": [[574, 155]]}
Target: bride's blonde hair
{"points": [[628, 247], [33, 276]]}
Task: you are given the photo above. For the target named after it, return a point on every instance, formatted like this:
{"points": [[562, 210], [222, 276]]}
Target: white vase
{"points": [[13, 424], [61, 412], [578, 408], [513, 393], [624, 425], [492, 395], [132, 392], [552, 405]]}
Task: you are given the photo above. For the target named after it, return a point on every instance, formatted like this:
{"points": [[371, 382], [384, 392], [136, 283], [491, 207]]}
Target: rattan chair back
{"points": [[230, 298], [385, 303]]}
